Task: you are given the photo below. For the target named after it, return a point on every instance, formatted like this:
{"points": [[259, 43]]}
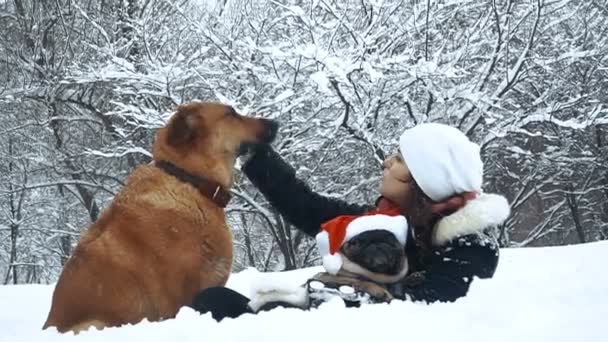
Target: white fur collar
{"points": [[484, 211]]}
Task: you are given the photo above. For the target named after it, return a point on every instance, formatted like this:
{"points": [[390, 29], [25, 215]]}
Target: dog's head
{"points": [[376, 254], [205, 138]]}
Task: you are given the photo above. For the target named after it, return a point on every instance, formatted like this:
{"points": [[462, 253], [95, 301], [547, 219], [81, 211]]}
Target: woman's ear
{"points": [[183, 127]]}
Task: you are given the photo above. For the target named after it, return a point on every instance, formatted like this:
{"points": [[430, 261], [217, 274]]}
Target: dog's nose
{"points": [[380, 260], [384, 259], [270, 130]]}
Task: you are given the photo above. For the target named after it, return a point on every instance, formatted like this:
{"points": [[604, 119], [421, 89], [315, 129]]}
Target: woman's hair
{"points": [[423, 213], [420, 216]]}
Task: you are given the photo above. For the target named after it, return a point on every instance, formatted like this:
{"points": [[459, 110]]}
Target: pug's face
{"points": [[378, 251]]}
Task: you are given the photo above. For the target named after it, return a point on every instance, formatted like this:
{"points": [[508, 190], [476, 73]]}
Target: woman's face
{"points": [[396, 181]]}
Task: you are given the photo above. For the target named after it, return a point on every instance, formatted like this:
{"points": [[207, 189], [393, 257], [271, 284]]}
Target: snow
{"points": [[119, 152], [322, 82], [538, 294]]}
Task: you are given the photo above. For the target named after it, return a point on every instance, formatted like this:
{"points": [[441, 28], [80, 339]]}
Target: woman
{"points": [[436, 184]]}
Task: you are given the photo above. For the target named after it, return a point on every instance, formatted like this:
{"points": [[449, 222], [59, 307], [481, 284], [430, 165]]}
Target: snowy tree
{"points": [[86, 83]]}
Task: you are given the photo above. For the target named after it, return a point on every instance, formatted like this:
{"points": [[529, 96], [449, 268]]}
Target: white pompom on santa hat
{"points": [[344, 228]]}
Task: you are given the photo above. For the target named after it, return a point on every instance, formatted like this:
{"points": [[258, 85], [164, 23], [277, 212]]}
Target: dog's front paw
{"points": [[377, 292]]}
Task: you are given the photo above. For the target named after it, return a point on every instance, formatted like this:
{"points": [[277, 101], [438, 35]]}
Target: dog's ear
{"points": [[183, 128]]}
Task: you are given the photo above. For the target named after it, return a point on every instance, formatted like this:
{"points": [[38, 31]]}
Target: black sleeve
{"points": [[222, 302], [451, 270], [300, 206]]}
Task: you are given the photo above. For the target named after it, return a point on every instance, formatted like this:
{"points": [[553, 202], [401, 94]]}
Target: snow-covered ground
{"points": [[538, 294]]}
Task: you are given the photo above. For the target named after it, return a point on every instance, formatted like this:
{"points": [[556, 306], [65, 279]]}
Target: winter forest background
{"points": [[84, 84]]}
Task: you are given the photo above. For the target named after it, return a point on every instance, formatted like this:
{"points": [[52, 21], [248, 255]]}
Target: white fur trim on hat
{"points": [[397, 225], [442, 160], [394, 224]]}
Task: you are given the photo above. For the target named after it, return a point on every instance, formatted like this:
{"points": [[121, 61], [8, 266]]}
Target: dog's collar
{"points": [[211, 189]]}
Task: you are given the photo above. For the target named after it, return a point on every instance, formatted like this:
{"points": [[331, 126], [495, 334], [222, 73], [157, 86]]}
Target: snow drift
{"points": [[538, 294]]}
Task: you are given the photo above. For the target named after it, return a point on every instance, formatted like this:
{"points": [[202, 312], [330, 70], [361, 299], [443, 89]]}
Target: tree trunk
{"points": [[248, 247], [12, 267], [66, 248], [284, 244], [128, 13], [574, 210], [87, 197], [15, 217]]}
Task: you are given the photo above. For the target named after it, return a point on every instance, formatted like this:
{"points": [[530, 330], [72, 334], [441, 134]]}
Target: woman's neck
{"points": [[384, 204]]}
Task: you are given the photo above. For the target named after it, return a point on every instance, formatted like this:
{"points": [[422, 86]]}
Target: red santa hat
{"points": [[336, 232]]}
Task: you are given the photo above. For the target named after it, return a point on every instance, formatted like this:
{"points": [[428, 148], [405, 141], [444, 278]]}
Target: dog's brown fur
{"points": [[160, 241]]}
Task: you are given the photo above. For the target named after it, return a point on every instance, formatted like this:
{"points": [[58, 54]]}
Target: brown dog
{"points": [[164, 237]]}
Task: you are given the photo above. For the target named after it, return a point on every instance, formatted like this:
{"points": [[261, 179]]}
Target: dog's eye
{"points": [[231, 112]]}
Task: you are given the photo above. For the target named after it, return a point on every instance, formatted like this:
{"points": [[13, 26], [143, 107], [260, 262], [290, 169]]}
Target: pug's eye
{"points": [[351, 245]]}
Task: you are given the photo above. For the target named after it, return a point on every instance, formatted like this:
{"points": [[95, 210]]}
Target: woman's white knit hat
{"points": [[442, 160]]}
